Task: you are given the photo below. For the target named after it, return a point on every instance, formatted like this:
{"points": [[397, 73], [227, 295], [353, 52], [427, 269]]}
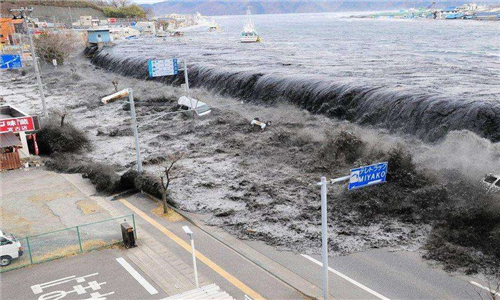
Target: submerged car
{"points": [[201, 108], [492, 182]]}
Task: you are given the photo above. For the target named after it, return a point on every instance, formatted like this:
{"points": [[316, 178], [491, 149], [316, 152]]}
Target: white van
{"points": [[201, 108], [10, 248]]}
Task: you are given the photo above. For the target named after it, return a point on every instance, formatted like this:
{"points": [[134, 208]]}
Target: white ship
{"points": [[213, 26], [249, 34]]}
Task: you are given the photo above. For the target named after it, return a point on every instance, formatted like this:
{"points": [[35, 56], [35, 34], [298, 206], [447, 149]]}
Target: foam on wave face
{"points": [[425, 116]]}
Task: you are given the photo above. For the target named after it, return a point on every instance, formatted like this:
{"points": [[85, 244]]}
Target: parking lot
{"points": [[106, 274]]}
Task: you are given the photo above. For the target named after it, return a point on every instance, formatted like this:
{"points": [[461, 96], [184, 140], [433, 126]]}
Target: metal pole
{"points": [[70, 17], [186, 78], [37, 70], [29, 249], [324, 237], [134, 128], [79, 239], [194, 262], [135, 228]]}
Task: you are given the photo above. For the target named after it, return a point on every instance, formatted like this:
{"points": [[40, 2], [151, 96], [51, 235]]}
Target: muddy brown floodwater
{"points": [[257, 185]]}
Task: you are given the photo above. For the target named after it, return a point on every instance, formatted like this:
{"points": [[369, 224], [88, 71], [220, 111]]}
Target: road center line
{"points": [[361, 286], [235, 281], [137, 276], [497, 293]]}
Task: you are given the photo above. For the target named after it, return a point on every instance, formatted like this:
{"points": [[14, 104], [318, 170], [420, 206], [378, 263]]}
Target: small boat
{"points": [[249, 34], [176, 33], [213, 26]]}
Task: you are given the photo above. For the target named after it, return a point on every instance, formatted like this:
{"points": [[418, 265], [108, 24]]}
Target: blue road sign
{"points": [[368, 175], [10, 61], [163, 67]]}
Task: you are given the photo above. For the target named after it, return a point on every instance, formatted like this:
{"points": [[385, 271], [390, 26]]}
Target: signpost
{"points": [[359, 178], [10, 61], [162, 67], [367, 175]]}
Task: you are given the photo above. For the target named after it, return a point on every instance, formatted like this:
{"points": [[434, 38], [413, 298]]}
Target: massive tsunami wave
{"points": [[426, 89]]}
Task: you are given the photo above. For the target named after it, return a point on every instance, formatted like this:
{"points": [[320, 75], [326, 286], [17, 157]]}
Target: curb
{"points": [[256, 263]]}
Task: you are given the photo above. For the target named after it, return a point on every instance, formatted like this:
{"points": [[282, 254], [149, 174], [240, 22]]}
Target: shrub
{"points": [[55, 138], [103, 177], [58, 46]]}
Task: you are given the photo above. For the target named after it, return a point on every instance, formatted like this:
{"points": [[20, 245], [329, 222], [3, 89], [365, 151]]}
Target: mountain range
{"points": [[238, 7]]}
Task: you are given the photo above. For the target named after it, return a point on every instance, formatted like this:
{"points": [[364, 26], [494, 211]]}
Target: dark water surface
{"points": [[422, 77]]}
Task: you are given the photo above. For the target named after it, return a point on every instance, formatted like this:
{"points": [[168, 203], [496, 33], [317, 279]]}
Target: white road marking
{"points": [[38, 288], [361, 286], [497, 293], [137, 276]]}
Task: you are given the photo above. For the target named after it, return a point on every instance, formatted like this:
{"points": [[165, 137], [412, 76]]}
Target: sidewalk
{"points": [[164, 253], [166, 269]]}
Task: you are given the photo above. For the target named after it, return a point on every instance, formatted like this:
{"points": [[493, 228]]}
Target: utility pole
{"points": [[23, 12], [37, 71], [70, 17], [130, 93], [134, 128]]}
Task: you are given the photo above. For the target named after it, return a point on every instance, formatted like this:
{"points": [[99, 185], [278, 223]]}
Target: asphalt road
{"points": [[95, 275], [375, 274], [224, 258], [390, 274]]}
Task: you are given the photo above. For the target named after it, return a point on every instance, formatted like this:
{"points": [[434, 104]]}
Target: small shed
{"points": [[99, 37], [9, 151], [16, 123]]}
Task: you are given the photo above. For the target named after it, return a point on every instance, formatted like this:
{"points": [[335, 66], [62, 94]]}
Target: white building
{"points": [[120, 32], [147, 28]]}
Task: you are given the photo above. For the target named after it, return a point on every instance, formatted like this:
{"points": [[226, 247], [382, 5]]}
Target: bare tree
{"points": [[120, 3], [149, 11], [58, 46], [61, 113], [166, 177]]}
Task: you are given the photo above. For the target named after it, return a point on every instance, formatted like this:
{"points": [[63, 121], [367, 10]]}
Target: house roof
{"points": [[9, 139]]}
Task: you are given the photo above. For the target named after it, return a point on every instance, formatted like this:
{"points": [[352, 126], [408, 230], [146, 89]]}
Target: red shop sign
{"points": [[17, 124]]}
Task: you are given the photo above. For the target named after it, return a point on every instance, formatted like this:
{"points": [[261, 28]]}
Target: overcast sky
{"points": [[147, 1], [155, 1]]}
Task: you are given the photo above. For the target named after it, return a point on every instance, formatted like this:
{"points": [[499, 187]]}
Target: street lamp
{"points": [[130, 93], [190, 233]]}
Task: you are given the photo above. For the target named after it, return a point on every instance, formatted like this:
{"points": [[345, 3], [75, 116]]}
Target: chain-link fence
{"points": [[69, 241]]}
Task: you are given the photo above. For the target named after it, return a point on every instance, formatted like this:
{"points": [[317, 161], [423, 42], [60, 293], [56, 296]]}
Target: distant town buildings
{"points": [[471, 11]]}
